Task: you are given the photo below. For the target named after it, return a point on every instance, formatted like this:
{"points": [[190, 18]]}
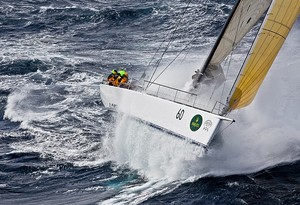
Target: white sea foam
{"points": [[51, 114], [3, 185], [154, 153], [17, 109]]}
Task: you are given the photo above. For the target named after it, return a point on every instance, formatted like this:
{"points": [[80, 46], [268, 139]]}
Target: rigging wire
{"points": [[244, 62], [169, 43], [209, 20], [227, 71], [221, 131], [219, 76], [189, 43], [192, 40], [170, 63], [144, 73], [229, 58]]}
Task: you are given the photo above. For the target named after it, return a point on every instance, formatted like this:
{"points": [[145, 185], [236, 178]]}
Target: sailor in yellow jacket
{"points": [[122, 78], [111, 79]]}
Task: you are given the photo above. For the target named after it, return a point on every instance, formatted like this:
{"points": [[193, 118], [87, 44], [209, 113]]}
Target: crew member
{"points": [[122, 78], [111, 79]]}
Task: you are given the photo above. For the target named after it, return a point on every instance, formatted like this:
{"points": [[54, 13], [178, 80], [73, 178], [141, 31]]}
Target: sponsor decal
{"points": [[196, 123], [207, 124]]}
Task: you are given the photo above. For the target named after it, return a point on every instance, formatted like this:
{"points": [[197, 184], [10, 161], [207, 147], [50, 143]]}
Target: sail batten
{"points": [[276, 26], [259, 63]]}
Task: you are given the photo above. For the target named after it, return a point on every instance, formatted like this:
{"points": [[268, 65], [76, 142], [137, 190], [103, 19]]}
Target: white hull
{"points": [[191, 123]]}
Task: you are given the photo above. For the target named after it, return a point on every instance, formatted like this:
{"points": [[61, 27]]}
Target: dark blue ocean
{"points": [[59, 145]]}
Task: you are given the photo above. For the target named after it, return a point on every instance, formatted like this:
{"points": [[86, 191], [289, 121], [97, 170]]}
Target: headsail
{"points": [[276, 26], [243, 17]]}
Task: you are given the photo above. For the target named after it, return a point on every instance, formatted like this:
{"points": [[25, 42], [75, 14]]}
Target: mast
{"points": [[205, 66]]}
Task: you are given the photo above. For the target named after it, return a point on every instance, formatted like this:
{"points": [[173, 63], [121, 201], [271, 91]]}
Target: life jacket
{"points": [[117, 81], [112, 77], [123, 78], [122, 72], [110, 80]]}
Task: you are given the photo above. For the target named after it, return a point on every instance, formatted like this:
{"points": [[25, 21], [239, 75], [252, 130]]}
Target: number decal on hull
{"points": [[180, 114]]}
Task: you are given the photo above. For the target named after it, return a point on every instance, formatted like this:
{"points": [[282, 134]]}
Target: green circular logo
{"points": [[196, 123]]}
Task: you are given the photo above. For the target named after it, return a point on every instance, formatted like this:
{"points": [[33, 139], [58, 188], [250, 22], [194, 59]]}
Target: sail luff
{"points": [[278, 22]]}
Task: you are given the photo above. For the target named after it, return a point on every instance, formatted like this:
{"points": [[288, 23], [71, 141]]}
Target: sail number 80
{"points": [[180, 114]]}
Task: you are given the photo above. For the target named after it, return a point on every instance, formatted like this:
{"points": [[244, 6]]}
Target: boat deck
{"points": [[176, 95]]}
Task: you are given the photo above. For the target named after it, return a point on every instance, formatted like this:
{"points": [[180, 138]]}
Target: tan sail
{"points": [[277, 24]]}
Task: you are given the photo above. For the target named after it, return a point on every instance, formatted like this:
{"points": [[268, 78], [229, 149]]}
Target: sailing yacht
{"points": [[179, 112]]}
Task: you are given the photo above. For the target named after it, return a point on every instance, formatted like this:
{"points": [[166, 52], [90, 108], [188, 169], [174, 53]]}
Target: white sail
{"points": [[244, 16]]}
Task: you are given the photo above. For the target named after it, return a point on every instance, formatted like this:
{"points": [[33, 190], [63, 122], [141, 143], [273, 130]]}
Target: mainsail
{"points": [[277, 24], [244, 16]]}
